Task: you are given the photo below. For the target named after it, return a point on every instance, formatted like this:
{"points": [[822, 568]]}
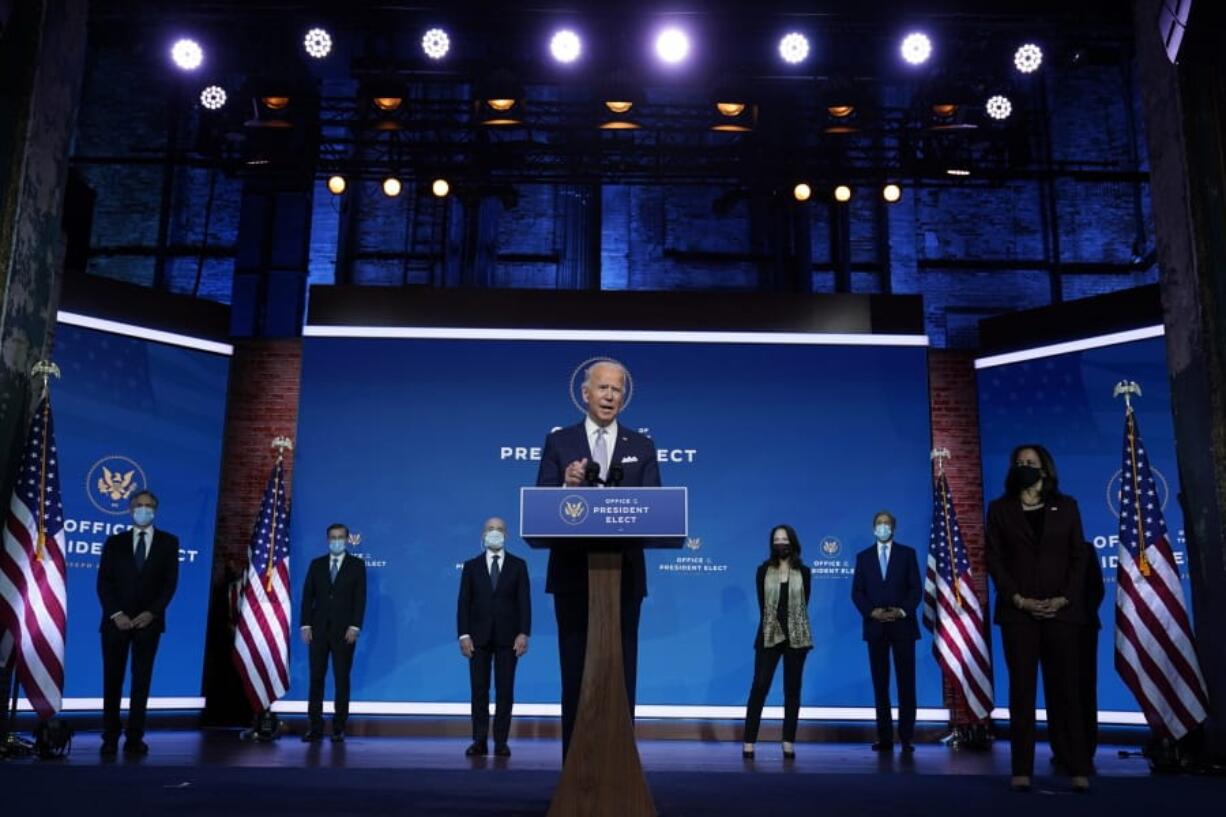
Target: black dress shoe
{"points": [[881, 746], [908, 749], [312, 736], [110, 747], [789, 754], [477, 747], [502, 750], [338, 735], [135, 746]]}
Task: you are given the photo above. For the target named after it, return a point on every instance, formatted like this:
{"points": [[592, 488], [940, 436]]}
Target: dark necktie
{"points": [[494, 572], [140, 551], [336, 564]]}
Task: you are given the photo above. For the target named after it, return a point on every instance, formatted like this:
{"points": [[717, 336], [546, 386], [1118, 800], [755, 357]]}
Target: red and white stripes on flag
{"points": [[33, 598], [261, 638], [1155, 653], [952, 610]]}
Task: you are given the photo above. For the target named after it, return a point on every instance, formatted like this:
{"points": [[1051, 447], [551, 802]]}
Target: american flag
{"points": [[33, 599], [952, 610], [1154, 649], [261, 639]]}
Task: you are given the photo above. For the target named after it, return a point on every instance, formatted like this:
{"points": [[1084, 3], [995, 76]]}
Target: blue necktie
{"points": [[494, 573], [140, 551], [335, 566], [883, 556], [600, 452]]}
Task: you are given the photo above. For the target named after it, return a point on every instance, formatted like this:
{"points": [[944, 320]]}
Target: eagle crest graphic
{"points": [[117, 486]]}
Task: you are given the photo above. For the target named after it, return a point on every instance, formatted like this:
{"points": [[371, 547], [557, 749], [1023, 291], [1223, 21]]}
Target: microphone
{"points": [[591, 474], [616, 475]]}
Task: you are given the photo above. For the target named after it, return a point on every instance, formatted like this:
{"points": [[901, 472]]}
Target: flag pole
{"points": [[939, 455], [1127, 388], [44, 369], [281, 444]]}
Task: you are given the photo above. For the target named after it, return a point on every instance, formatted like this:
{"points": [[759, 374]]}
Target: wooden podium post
{"points": [[602, 776]]}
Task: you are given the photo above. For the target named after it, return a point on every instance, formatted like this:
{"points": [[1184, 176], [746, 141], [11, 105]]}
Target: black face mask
{"points": [[781, 551], [1022, 477]]}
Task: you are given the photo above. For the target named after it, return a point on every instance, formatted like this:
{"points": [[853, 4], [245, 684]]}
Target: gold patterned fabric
{"points": [[799, 636]]}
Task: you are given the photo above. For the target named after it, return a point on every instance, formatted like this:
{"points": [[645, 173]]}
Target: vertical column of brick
{"points": [[954, 407]]}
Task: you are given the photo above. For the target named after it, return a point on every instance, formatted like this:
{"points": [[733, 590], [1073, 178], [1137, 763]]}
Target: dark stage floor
{"points": [[213, 773]]}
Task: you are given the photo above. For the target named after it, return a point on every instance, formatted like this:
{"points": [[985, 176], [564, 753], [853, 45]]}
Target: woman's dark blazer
{"points": [[1037, 569]]}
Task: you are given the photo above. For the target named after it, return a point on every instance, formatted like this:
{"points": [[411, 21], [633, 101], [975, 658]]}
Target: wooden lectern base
{"points": [[602, 776]]}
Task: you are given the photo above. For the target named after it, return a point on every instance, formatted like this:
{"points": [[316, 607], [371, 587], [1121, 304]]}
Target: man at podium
{"points": [[582, 454]]}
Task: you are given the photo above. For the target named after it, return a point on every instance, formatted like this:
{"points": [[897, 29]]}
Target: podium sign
{"points": [[604, 513]]}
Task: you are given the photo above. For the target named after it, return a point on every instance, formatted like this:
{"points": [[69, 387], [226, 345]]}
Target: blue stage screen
{"points": [[1065, 403], [414, 442], [151, 415]]}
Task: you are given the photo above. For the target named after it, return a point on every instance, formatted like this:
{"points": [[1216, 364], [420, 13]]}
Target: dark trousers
{"points": [[503, 660], [322, 646], [1055, 645], [879, 652], [570, 609], [116, 645], [1057, 725], [766, 659]]}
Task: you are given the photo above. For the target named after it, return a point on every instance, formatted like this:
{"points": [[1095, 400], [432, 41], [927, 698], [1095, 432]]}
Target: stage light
{"points": [[730, 109], [916, 48], [391, 187], [794, 48], [388, 103], [945, 109], [435, 43], [842, 194], [1028, 58], [891, 193], [501, 105], [213, 97], [619, 106], [337, 185], [802, 192], [565, 46], [841, 111], [957, 171], [275, 103], [672, 45], [187, 54], [440, 188], [318, 43], [999, 107]]}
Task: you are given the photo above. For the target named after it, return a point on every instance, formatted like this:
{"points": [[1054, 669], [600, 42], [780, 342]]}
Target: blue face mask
{"points": [[336, 546], [142, 516], [883, 532]]}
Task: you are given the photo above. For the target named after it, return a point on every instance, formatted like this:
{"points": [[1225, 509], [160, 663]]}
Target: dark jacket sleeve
{"points": [[915, 590], [170, 581], [308, 598], [462, 603], [757, 585], [859, 593], [997, 541], [1095, 592], [524, 593], [106, 580], [806, 576], [651, 468], [1074, 582], [359, 597], [551, 472]]}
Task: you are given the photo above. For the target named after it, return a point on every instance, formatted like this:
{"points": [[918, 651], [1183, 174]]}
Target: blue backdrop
{"points": [[151, 415], [414, 443], [1065, 403]]}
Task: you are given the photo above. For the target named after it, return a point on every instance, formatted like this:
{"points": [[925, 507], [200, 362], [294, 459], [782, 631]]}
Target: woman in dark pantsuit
{"points": [[1037, 559], [783, 583]]}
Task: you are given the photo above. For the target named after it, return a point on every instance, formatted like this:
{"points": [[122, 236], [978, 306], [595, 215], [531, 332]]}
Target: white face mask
{"points": [[494, 539]]}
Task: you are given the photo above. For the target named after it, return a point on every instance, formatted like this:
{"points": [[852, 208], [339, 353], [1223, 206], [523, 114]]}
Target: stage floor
{"points": [[212, 772]]}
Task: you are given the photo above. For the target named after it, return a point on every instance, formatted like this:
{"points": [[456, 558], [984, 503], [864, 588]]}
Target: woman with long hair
{"points": [[1037, 560], [783, 584]]}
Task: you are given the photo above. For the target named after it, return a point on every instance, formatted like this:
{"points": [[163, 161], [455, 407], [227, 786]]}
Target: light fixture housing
{"points": [[802, 191], [391, 187], [842, 194], [337, 184]]}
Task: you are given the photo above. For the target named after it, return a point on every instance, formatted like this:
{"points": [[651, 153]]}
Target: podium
{"points": [[602, 774]]}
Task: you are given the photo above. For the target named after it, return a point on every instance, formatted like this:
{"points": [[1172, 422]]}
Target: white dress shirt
{"points": [[610, 439]]}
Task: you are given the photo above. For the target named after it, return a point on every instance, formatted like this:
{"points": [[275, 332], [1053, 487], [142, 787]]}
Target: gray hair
{"points": [[587, 373], [887, 515]]}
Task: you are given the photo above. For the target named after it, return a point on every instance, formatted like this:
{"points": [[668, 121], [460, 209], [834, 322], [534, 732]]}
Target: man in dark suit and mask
{"points": [[609, 448], [493, 622], [333, 605], [137, 577]]}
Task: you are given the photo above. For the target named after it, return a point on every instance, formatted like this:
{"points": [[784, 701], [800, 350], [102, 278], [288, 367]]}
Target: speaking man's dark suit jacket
{"points": [[494, 617], [636, 454], [1037, 569], [330, 608], [899, 588], [121, 589]]}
